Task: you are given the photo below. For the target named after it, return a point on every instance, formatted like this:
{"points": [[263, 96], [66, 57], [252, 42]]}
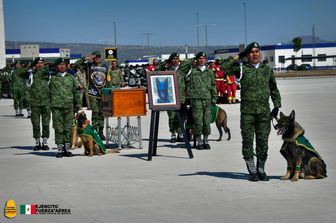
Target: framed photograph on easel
{"points": [[163, 92]]}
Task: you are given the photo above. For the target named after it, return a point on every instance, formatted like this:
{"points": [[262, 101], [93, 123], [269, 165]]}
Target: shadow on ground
{"points": [[228, 175]]}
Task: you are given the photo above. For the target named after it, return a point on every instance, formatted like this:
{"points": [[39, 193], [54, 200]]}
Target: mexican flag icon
{"points": [[28, 209]]}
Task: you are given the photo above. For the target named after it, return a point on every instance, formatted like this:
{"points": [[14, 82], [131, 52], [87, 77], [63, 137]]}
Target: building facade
{"points": [[280, 56]]}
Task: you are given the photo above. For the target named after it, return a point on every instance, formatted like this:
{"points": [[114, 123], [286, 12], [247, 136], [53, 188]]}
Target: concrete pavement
{"points": [[212, 187]]}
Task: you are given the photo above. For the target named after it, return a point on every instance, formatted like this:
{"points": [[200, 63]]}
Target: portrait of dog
{"points": [[303, 161], [83, 134], [220, 118], [162, 91]]}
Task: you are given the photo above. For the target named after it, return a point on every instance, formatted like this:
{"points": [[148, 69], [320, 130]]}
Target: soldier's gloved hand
{"points": [[242, 54], [76, 109], [274, 113]]}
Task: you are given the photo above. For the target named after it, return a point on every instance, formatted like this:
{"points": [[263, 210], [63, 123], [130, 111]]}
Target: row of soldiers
{"points": [[52, 89]]}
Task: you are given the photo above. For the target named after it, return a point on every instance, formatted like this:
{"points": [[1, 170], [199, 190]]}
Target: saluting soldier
{"points": [[65, 101], [174, 64], [201, 90], [96, 75], [40, 102], [18, 83], [258, 85]]}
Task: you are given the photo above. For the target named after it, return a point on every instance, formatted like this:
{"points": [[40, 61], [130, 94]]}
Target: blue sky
{"points": [[171, 22]]}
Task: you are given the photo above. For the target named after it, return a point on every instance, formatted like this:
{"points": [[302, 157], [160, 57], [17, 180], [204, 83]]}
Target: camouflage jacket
{"points": [[201, 84], [18, 80], [258, 85], [114, 78], [64, 91], [39, 89]]}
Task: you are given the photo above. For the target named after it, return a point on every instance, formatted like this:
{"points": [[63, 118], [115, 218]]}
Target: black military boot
{"points": [[45, 144], [180, 137], [206, 143], [199, 143], [66, 151], [261, 170], [101, 134], [37, 145], [173, 138], [252, 170], [29, 113], [60, 148]]}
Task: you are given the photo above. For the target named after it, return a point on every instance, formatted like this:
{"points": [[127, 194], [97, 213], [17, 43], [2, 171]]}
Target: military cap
{"points": [[200, 54], [251, 46], [17, 62], [173, 55], [59, 60], [96, 53], [37, 59], [219, 59]]}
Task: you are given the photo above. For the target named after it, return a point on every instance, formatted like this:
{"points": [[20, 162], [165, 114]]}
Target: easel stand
{"points": [[153, 134]]}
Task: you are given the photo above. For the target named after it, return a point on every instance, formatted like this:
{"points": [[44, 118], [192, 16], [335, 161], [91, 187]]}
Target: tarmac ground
{"points": [[211, 187]]}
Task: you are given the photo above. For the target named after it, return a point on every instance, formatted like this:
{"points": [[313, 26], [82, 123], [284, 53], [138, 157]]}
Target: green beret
{"points": [[251, 46], [200, 54], [219, 59], [17, 62], [59, 60], [96, 53], [173, 55], [37, 59]]}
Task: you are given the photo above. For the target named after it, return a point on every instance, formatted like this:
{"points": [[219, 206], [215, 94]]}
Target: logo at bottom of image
{"points": [[43, 209]]}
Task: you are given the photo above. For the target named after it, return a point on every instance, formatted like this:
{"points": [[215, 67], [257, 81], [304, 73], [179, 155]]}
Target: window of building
{"points": [[321, 57], [271, 59], [308, 59], [281, 59]]}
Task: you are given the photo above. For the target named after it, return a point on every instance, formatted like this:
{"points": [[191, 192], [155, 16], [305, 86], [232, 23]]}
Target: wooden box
{"points": [[124, 102]]}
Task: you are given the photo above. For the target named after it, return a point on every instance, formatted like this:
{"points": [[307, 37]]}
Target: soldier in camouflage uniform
{"points": [[201, 90], [65, 101], [40, 102], [258, 84], [18, 83], [7, 82], [174, 64], [115, 77], [97, 73]]}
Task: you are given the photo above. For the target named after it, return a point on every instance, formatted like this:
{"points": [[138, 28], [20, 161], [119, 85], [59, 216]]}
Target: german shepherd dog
{"points": [[221, 122], [302, 159], [79, 137]]}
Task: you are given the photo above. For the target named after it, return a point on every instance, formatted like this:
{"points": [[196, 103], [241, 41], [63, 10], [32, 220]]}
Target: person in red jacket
{"points": [[231, 87], [219, 78], [152, 66]]}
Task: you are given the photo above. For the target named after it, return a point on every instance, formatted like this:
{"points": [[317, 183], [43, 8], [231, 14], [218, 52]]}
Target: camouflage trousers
{"points": [[62, 123], [38, 112], [26, 100], [18, 96], [260, 126], [201, 114], [173, 122], [97, 113]]}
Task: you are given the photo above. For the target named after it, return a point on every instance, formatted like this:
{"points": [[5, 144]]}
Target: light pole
{"points": [[197, 14], [206, 35], [244, 3], [115, 34], [148, 34]]}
